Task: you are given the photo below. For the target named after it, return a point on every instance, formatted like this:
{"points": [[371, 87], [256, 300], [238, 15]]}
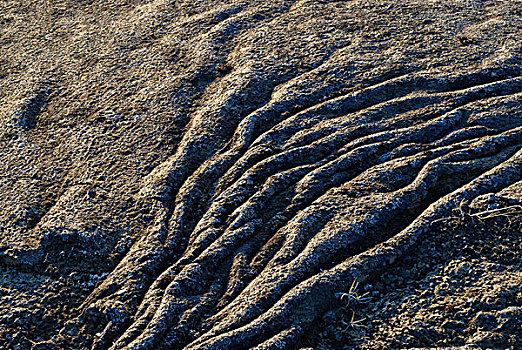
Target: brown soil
{"points": [[217, 174]]}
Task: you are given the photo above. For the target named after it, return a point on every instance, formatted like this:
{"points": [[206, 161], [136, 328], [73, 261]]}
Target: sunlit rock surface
{"points": [[252, 174]]}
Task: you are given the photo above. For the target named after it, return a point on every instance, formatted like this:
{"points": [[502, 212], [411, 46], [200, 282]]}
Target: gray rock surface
{"points": [[217, 174]]}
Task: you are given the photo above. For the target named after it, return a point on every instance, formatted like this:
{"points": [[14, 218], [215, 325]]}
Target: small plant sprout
{"points": [[350, 300], [353, 296], [353, 323]]}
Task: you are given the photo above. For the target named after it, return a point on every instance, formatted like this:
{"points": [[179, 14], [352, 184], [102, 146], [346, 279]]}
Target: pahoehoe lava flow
{"points": [[217, 174]]}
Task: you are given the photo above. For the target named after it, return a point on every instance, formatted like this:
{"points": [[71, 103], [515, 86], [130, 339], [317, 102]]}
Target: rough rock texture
{"points": [[217, 174]]}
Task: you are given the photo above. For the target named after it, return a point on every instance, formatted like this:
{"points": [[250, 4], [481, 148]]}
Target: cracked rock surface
{"points": [[249, 174]]}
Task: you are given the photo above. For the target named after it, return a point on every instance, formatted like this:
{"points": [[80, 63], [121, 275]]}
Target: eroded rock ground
{"points": [[217, 174]]}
